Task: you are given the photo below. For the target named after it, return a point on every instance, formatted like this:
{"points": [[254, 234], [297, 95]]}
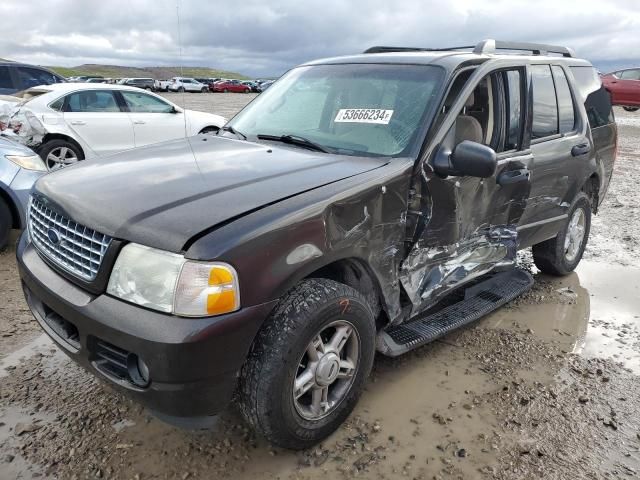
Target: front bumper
{"points": [[193, 363]]}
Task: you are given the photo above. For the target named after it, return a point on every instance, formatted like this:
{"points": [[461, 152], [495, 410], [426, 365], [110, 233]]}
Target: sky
{"points": [[267, 37]]}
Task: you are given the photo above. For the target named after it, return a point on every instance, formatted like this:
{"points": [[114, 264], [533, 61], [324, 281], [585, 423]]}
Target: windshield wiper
{"points": [[294, 140], [230, 129]]}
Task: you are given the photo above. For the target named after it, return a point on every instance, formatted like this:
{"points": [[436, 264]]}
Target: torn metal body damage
{"points": [[429, 273], [21, 124]]}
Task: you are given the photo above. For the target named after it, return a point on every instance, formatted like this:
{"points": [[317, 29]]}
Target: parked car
{"points": [[144, 83], [96, 80], [230, 86], [624, 86], [20, 167], [180, 84], [161, 85], [69, 122], [252, 85], [264, 85], [15, 77], [367, 202]]}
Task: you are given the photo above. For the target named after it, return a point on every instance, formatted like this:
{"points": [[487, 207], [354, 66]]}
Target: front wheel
{"points": [[308, 365], [631, 109], [561, 255], [204, 90]]}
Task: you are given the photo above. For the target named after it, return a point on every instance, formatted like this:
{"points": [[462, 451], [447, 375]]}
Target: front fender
{"points": [[361, 218]]}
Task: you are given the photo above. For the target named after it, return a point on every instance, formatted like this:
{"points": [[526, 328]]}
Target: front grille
{"points": [[74, 247]]}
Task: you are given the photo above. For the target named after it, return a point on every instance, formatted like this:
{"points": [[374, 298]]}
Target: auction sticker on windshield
{"points": [[364, 115]]}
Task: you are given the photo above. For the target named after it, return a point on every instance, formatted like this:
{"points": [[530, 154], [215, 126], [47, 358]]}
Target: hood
{"points": [[163, 195]]}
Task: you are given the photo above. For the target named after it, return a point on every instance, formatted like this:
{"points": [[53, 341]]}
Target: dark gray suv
{"points": [[15, 77], [366, 203]]}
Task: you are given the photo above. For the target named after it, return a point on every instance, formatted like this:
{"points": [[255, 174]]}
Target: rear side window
{"points": [[597, 100], [32, 77], [5, 78], [91, 101], [566, 111], [545, 108]]}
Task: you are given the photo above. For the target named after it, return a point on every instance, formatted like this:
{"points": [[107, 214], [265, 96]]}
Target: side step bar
{"points": [[479, 300]]}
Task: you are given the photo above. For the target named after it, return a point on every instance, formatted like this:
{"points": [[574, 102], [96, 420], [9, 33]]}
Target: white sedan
{"points": [[68, 122]]}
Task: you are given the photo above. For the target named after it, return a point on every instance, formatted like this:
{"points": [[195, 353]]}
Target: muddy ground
{"points": [[546, 387]]}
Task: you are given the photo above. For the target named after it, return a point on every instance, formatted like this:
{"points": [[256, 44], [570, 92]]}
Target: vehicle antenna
{"points": [[184, 104]]}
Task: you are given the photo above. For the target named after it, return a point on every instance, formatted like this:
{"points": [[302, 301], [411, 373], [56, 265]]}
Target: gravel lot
{"points": [[546, 387]]}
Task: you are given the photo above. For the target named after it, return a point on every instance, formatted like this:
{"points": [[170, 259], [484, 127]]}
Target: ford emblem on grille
{"points": [[54, 236]]}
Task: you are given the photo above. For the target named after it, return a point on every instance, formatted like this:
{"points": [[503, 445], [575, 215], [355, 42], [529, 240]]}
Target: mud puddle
{"points": [[533, 389]]}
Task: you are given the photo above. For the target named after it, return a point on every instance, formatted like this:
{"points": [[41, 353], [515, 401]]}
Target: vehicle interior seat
{"points": [[468, 127]]}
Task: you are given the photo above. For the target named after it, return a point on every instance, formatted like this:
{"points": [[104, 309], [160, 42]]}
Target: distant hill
{"points": [[160, 73]]}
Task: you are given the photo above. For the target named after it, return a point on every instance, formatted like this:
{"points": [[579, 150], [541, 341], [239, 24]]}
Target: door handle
{"points": [[509, 177], [139, 122], [77, 122], [581, 149]]}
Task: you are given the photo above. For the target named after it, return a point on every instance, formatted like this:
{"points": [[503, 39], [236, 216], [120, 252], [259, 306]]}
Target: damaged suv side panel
{"points": [[357, 225]]}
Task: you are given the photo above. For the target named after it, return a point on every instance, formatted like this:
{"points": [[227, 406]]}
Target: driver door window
{"points": [[154, 120]]}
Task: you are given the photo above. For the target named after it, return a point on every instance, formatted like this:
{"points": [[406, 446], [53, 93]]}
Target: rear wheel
{"points": [[181, 90], [308, 365], [60, 153], [562, 254], [247, 90], [5, 224], [225, 91], [204, 90], [631, 109]]}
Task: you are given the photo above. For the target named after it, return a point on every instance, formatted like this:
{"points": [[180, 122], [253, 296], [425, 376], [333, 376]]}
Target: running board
{"points": [[479, 300]]}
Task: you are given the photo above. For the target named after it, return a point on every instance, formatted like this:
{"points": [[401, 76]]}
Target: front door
{"points": [[469, 225], [154, 120], [95, 117]]}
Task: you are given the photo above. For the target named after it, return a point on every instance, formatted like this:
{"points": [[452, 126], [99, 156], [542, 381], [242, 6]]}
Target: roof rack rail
{"points": [[490, 46], [411, 49], [485, 47]]}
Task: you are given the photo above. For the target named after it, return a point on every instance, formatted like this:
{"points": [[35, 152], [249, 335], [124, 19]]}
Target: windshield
{"points": [[354, 109]]}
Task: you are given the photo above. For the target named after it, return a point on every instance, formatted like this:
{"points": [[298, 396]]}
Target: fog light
{"points": [[138, 370]]}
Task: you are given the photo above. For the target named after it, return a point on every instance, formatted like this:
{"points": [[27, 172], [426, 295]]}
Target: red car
{"points": [[624, 87], [230, 86]]}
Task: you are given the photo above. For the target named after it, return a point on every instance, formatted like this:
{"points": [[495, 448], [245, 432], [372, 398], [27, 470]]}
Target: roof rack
{"points": [[486, 47], [490, 46], [412, 49]]}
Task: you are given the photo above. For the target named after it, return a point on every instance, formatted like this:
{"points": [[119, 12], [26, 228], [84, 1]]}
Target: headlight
{"points": [[170, 283], [28, 162]]}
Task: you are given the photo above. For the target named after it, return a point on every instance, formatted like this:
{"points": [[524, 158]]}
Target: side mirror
{"points": [[468, 159]]}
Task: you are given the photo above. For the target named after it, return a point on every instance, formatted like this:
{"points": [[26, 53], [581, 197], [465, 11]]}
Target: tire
{"points": [[57, 154], [5, 224], [204, 90], [280, 355], [247, 90], [181, 90], [225, 91], [631, 109], [561, 255]]}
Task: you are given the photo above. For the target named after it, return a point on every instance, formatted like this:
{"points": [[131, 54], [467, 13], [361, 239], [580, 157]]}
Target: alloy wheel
{"points": [[60, 157], [574, 237], [326, 370]]}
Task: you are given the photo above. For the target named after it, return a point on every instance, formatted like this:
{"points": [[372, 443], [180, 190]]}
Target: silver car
{"points": [[20, 167]]}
